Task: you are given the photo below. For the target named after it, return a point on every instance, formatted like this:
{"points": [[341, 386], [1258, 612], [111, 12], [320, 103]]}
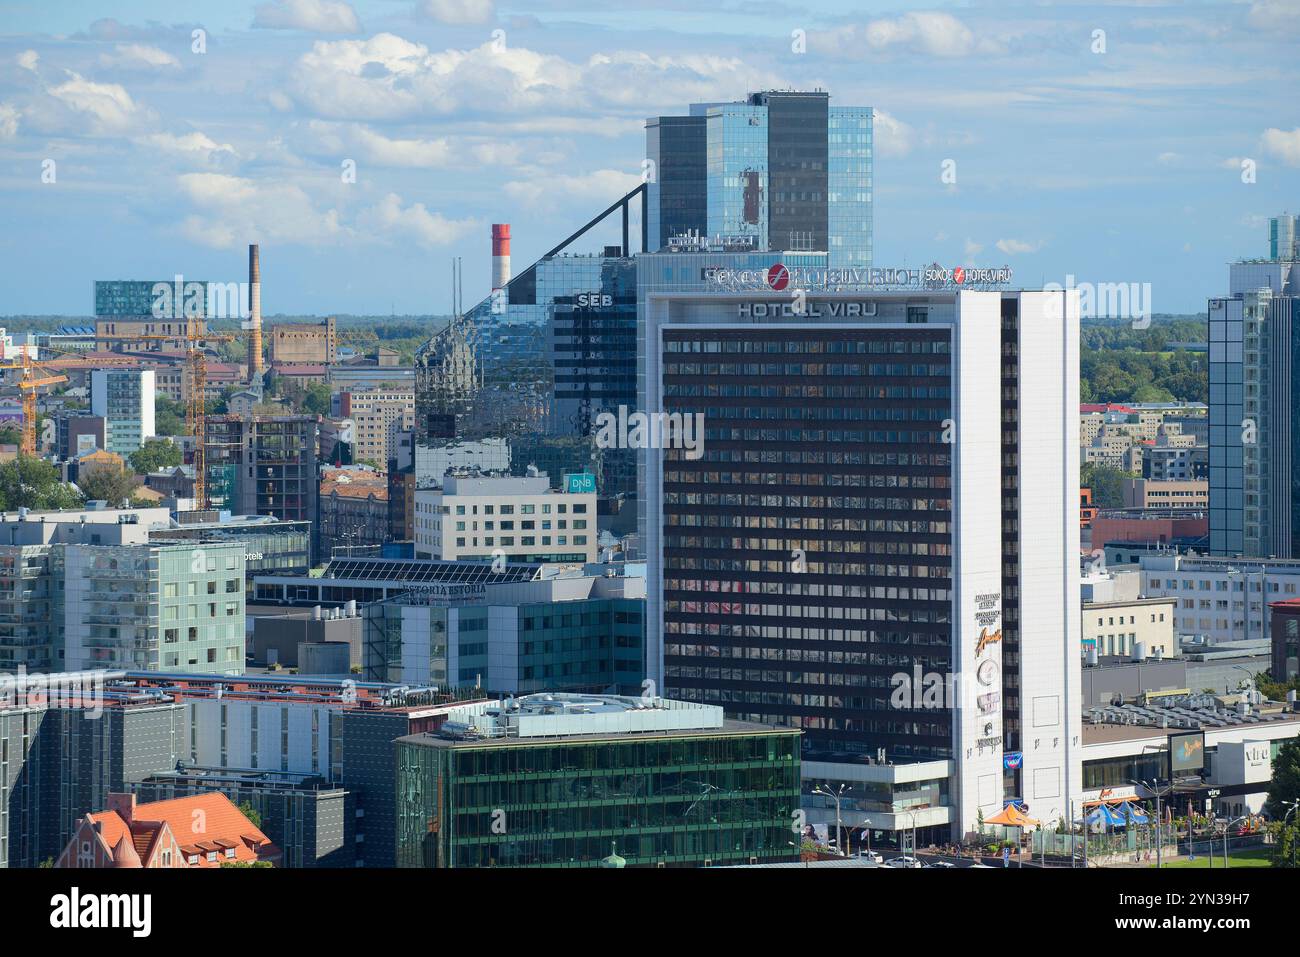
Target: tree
{"points": [[1106, 484], [250, 812], [169, 416], [1286, 837], [1284, 788], [155, 454], [29, 482], [316, 399], [108, 485]]}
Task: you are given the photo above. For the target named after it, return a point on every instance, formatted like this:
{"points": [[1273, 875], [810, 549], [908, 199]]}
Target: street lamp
{"points": [[1153, 787], [911, 815], [836, 796], [1226, 828], [1291, 805], [1055, 815]]}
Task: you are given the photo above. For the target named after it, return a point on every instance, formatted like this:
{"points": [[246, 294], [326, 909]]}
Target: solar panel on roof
{"points": [[423, 570]]}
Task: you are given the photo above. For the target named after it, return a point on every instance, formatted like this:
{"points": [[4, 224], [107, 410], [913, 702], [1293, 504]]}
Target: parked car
{"points": [[904, 862], [941, 864], [873, 856]]}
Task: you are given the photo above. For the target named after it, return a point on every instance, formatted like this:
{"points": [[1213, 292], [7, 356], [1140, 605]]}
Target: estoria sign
{"points": [[780, 277]]}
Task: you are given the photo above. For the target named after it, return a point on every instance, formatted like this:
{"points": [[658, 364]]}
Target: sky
{"points": [[365, 144]]}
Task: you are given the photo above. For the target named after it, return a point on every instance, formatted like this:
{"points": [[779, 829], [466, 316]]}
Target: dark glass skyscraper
{"points": [[1254, 346], [784, 170]]}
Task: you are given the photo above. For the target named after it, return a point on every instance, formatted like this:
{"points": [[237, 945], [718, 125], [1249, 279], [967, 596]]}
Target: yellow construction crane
{"points": [[196, 410], [34, 377]]}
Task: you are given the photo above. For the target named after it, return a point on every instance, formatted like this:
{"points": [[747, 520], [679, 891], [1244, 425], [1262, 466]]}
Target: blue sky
{"points": [[1114, 165]]}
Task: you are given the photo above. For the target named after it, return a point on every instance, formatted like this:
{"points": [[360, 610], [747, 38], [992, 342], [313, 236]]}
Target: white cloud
{"points": [[386, 77], [973, 248], [389, 221], [316, 16], [1013, 247], [233, 210], [358, 141], [458, 12], [929, 32], [373, 148], [892, 136], [28, 60], [194, 145], [135, 56], [546, 189], [8, 121], [108, 107], [1275, 16], [1282, 144]]}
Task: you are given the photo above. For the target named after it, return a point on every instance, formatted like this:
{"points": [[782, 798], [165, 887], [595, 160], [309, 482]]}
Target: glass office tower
{"points": [[786, 170], [678, 192], [1254, 346]]}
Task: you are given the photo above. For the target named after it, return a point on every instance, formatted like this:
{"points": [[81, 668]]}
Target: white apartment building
{"points": [[378, 417], [520, 518], [125, 399], [1224, 599]]}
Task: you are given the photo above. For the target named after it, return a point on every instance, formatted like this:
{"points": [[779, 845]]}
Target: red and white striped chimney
{"points": [[500, 255]]}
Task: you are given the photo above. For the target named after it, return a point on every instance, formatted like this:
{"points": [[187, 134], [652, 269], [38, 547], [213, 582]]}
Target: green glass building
{"points": [[556, 780]]}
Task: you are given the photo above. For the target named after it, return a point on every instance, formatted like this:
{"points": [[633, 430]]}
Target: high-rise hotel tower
{"points": [[878, 539]]}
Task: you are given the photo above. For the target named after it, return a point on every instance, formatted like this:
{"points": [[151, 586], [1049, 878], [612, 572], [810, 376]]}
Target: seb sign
{"points": [[594, 300]]}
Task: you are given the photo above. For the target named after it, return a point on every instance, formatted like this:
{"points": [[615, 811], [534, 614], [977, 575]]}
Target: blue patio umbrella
{"points": [[1134, 813], [1102, 814]]}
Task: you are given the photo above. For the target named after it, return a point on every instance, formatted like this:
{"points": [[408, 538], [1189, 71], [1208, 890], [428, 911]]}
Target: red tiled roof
{"points": [[222, 825]]}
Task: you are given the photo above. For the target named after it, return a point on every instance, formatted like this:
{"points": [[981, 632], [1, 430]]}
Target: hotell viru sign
{"points": [[779, 277]]}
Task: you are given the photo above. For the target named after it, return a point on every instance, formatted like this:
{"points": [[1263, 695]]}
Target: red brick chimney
{"points": [[123, 804]]}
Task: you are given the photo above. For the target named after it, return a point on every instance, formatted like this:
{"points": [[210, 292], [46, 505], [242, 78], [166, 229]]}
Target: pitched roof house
{"points": [[204, 830]]}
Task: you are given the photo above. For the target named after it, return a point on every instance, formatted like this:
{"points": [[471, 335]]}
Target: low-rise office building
{"points": [[1150, 493], [519, 519], [568, 780], [1141, 628], [573, 630]]}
